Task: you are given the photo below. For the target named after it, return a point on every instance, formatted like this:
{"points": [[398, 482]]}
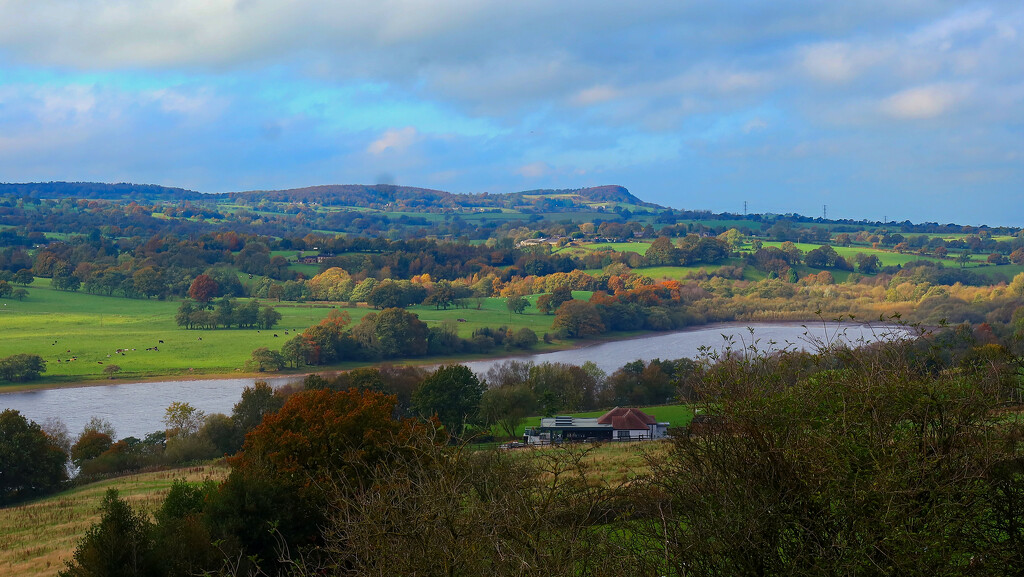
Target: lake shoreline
{"points": [[429, 362], [136, 409]]}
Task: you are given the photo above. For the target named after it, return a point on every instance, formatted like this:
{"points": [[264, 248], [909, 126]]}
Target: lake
{"points": [[136, 409]]}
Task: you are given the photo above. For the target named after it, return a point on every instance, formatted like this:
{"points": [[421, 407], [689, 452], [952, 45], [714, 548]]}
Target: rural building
{"points": [[554, 240], [315, 259], [618, 424]]}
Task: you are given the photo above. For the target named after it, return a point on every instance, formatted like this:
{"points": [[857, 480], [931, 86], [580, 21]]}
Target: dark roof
{"points": [[627, 419]]}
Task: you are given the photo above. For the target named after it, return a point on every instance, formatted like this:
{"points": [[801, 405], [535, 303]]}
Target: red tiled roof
{"points": [[627, 419]]}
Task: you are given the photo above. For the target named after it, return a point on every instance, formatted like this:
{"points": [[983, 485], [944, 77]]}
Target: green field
{"points": [[61, 326], [492, 313], [637, 247], [888, 258], [308, 270], [891, 258]]}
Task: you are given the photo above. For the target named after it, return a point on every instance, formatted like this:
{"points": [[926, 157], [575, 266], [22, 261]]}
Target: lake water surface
{"points": [[138, 408]]}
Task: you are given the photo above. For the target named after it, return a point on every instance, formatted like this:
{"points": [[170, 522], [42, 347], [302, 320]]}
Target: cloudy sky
{"points": [[898, 109]]}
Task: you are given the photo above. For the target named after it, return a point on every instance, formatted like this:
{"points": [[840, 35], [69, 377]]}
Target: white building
{"points": [[618, 424]]}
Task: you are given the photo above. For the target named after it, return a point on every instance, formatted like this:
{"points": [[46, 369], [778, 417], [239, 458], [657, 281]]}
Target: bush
{"points": [[22, 367], [120, 544], [524, 338], [30, 461], [186, 449]]}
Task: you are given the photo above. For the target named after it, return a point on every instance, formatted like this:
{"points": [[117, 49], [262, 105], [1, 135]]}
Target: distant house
{"points": [[315, 259], [554, 240], [618, 424]]}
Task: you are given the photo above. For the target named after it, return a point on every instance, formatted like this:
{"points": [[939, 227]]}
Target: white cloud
{"points": [[944, 31], [839, 62], [191, 103], [755, 125], [535, 170], [66, 104], [923, 101], [595, 95], [397, 139]]}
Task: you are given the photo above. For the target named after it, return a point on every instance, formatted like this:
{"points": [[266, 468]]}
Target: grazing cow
{"points": [[161, 342], [275, 334]]}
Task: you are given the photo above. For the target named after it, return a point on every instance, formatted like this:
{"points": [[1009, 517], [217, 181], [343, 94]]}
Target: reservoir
{"points": [[136, 409]]}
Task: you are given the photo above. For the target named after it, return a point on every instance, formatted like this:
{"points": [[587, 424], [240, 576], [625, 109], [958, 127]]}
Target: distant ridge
{"points": [[379, 196], [410, 196], [97, 190], [605, 193], [356, 195]]}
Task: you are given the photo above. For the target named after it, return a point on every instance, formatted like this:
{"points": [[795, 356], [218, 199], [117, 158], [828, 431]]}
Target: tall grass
{"points": [[37, 538]]}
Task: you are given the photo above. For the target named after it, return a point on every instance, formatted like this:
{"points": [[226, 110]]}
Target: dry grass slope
{"points": [[37, 538]]}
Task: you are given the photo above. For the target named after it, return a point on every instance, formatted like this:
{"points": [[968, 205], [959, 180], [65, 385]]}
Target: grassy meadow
{"points": [[886, 257], [637, 247], [38, 537], [892, 258], [78, 333]]}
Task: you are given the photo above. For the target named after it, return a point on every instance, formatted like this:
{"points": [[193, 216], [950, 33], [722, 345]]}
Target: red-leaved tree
{"points": [[203, 289], [293, 464]]}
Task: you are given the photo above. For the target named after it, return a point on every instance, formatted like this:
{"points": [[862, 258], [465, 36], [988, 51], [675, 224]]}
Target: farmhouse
{"points": [[315, 259], [539, 241], [618, 424]]}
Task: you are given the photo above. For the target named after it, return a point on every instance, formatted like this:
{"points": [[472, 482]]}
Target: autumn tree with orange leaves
{"points": [[293, 464]]}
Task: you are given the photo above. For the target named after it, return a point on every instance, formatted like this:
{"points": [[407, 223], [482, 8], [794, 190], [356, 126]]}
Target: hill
{"points": [[409, 198], [97, 190], [377, 196], [605, 193], [359, 195]]}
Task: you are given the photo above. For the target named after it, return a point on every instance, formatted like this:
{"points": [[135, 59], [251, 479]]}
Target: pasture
{"points": [[887, 257], [492, 313], [79, 334], [637, 247], [892, 258]]}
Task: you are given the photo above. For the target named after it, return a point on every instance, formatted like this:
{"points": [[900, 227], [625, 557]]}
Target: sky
{"points": [[875, 109]]}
